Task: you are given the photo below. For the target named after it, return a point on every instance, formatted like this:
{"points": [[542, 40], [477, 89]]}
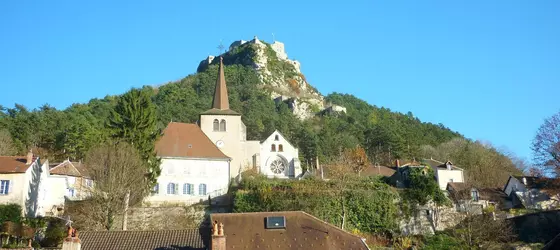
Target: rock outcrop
{"points": [[280, 76]]}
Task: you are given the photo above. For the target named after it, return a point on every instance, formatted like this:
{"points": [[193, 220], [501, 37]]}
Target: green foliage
{"points": [[55, 233], [368, 203], [423, 187], [134, 120], [10, 212], [441, 241]]}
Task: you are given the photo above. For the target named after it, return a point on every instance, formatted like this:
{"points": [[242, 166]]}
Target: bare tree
{"points": [[119, 175], [546, 145], [6, 143]]}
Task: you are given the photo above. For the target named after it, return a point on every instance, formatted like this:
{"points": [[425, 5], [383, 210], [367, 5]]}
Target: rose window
{"points": [[278, 166]]}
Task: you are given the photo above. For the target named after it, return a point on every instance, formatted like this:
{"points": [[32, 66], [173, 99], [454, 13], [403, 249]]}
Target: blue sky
{"points": [[488, 69]]}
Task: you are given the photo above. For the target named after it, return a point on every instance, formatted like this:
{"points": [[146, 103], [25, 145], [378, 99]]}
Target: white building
{"points": [[446, 172], [279, 158], [533, 192], [23, 181], [67, 180], [192, 167], [199, 160]]}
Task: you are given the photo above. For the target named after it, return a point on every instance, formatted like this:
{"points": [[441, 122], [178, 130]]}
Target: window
{"points": [[71, 192], [89, 183], [202, 189], [216, 126], [278, 166], [172, 188], [4, 186], [276, 222], [474, 195], [272, 148], [276, 138], [155, 189], [223, 125], [188, 188], [280, 148]]}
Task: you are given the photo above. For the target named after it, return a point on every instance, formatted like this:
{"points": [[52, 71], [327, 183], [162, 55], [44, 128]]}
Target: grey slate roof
{"points": [[186, 239]]}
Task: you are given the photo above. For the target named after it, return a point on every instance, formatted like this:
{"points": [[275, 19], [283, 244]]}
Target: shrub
{"points": [[10, 212]]}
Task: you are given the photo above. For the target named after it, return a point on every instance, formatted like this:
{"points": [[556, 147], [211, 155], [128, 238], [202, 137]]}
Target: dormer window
{"points": [[276, 138], [216, 125]]}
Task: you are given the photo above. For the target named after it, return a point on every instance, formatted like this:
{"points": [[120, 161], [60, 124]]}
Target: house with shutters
{"points": [[23, 181], [199, 160]]}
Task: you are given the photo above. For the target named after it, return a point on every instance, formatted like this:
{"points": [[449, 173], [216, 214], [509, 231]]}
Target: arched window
{"points": [[202, 189], [216, 125], [172, 188], [273, 148], [276, 138], [188, 188], [223, 125], [280, 148]]}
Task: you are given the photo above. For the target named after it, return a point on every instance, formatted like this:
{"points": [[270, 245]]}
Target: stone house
{"points": [[262, 230], [23, 181], [475, 200], [530, 192], [443, 172]]}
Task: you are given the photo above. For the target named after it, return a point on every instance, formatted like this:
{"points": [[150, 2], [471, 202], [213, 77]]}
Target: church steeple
{"points": [[221, 101]]}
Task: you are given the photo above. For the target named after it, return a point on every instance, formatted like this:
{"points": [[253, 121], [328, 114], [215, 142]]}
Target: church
{"points": [[200, 160]]}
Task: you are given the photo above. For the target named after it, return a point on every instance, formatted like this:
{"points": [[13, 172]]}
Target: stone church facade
{"points": [[199, 160]]}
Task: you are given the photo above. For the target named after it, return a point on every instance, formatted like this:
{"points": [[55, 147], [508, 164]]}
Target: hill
{"points": [[271, 93]]}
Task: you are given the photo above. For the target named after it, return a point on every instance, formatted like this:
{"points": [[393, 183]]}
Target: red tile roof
{"points": [[14, 164], [303, 231], [187, 140], [145, 240]]}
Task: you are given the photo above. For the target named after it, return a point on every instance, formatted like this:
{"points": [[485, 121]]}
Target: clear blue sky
{"points": [[488, 69]]}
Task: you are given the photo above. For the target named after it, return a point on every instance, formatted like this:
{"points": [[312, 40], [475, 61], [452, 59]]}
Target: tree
{"points": [[546, 145], [134, 120], [118, 171], [356, 158], [6, 143]]}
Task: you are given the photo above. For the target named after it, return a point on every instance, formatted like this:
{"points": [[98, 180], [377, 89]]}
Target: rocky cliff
{"points": [[279, 76]]}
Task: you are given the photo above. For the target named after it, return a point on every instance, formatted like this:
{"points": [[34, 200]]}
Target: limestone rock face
{"points": [[280, 76]]}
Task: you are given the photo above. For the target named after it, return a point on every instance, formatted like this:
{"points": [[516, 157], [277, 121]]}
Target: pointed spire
{"points": [[220, 93]]}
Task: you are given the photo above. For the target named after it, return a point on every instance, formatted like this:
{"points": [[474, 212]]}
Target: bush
{"points": [[10, 212], [55, 233], [444, 241]]}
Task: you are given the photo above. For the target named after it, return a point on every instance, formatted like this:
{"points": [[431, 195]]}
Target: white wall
{"points": [[444, 175], [288, 154], [18, 187], [513, 182], [213, 173]]}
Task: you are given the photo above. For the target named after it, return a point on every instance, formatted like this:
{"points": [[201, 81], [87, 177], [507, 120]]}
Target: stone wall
{"points": [[537, 227], [428, 219]]}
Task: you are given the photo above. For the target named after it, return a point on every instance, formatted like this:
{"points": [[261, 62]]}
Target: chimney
{"points": [[218, 237], [72, 242], [29, 157], [398, 163]]}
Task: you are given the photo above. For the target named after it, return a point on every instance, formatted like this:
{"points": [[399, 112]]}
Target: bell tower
{"points": [[223, 125]]}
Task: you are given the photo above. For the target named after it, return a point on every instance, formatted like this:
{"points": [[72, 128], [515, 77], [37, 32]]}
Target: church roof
{"points": [[187, 140]]}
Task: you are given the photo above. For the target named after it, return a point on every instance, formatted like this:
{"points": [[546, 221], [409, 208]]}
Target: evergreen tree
{"points": [[134, 120]]}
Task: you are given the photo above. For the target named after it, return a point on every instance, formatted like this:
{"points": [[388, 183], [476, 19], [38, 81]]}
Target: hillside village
{"points": [[219, 180]]}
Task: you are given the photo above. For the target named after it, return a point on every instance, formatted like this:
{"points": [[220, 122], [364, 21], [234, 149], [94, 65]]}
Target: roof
{"points": [[186, 140], [303, 231], [219, 112], [440, 165], [463, 191], [220, 100], [14, 164], [145, 240], [372, 170], [69, 168]]}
